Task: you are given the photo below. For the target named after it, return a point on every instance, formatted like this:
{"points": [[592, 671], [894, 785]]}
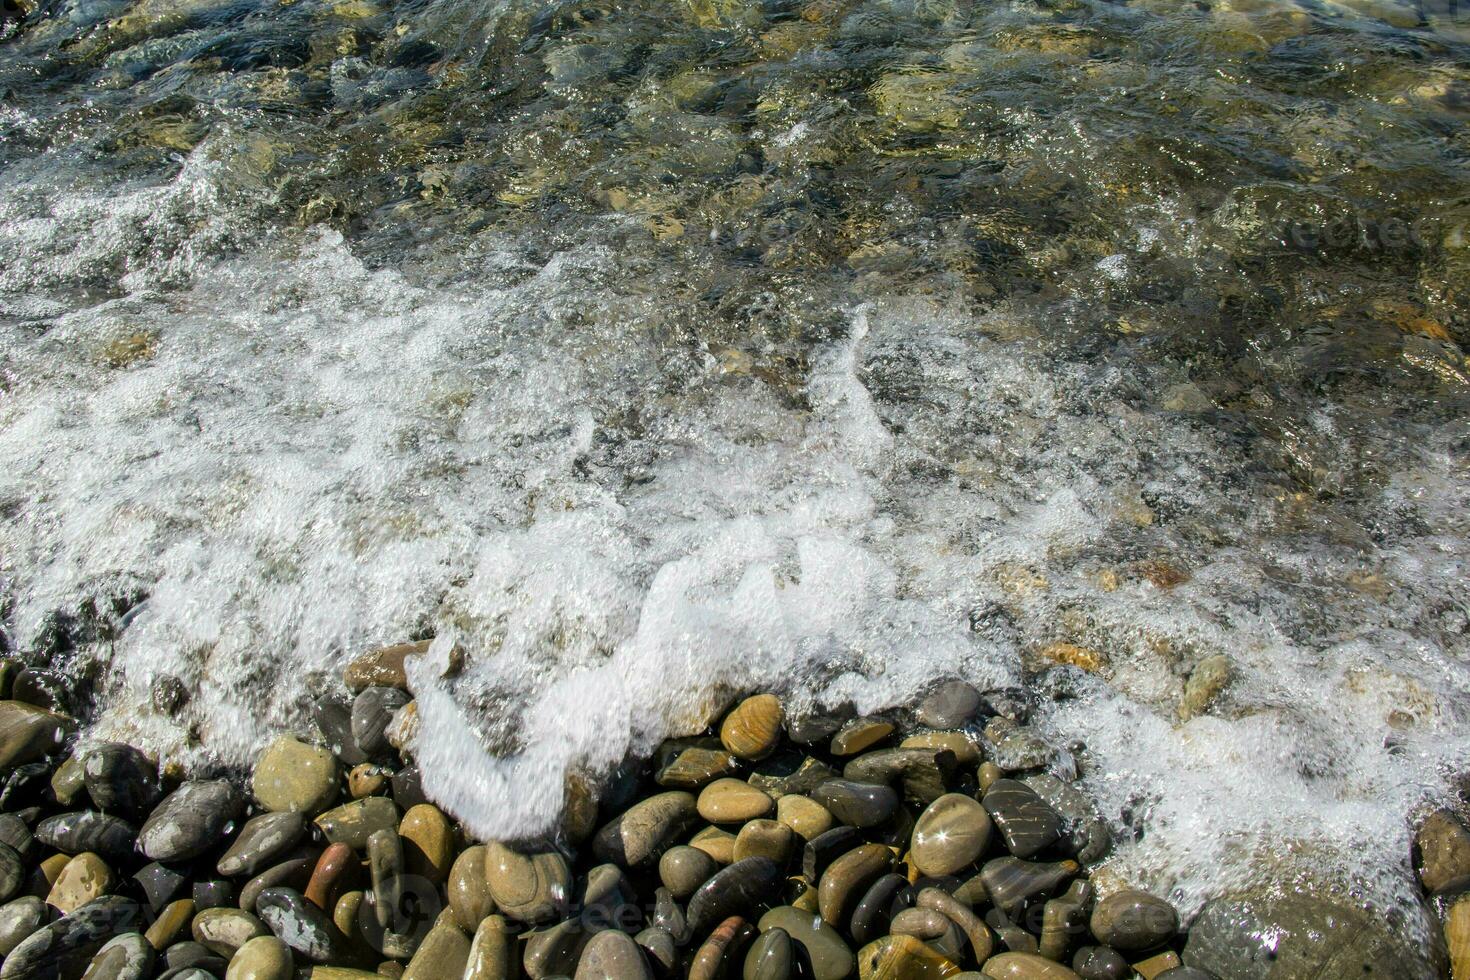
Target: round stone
{"points": [[1026, 966], [262, 958], [384, 667], [904, 958], [1443, 849], [29, 734], [765, 838], [848, 878], [428, 842], [753, 729], [264, 839], [444, 953], [120, 779], [291, 775], [469, 892], [732, 801], [368, 779], [829, 955], [490, 951], [20, 918], [372, 712], [527, 887], [804, 815], [717, 843], [950, 834], [645, 830], [950, 705], [1134, 920], [225, 930], [84, 878], [683, 869], [353, 823], [190, 820], [612, 955], [735, 890], [771, 957], [1025, 821], [125, 957], [1100, 963], [860, 734], [857, 804]]}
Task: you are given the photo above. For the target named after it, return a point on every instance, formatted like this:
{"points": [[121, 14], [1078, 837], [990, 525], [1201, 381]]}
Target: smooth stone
{"points": [[12, 872], [718, 955], [372, 712], [224, 931], [386, 864], [716, 842], [125, 957], [69, 781], [159, 884], [789, 772], [1020, 749], [848, 879], [190, 820], [884, 899], [186, 954], [527, 887], [428, 842], [408, 787], [490, 951], [805, 816], [43, 878], [333, 719], [1026, 966], [860, 734], [950, 705], [683, 869], [608, 900], [196, 972], [1063, 919], [353, 823], [88, 830], [170, 924], [824, 948], [1133, 920], [765, 838], [402, 729], [612, 955], [84, 878], [444, 952], [1442, 849], [966, 751], [925, 774], [263, 840], [20, 918], [1026, 823], [1013, 883], [753, 729], [1086, 836], [639, 835], [345, 914], [553, 951], [951, 834], [308, 930], [857, 804], [902, 958], [120, 779], [1155, 966], [66, 946], [469, 892], [735, 890], [659, 947], [816, 726], [692, 763], [368, 779], [1456, 936], [1100, 963], [16, 834], [926, 924], [668, 916], [383, 667], [294, 872], [732, 801], [981, 942], [213, 894], [771, 956], [262, 958], [825, 848], [291, 775], [29, 734]]}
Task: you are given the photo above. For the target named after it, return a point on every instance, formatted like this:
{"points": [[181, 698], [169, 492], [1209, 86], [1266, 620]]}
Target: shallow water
{"points": [[656, 351]]}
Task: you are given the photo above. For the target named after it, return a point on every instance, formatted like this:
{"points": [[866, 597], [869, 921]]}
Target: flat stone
{"points": [[1013, 883], [225, 930], [1026, 966], [828, 954], [190, 820], [125, 957], [692, 763], [490, 951], [966, 750], [12, 872], [771, 957], [428, 842], [1132, 921], [717, 843], [306, 929], [951, 834], [860, 734], [159, 884], [294, 872], [171, 923], [264, 840], [18, 919], [1442, 849], [903, 958], [753, 729], [291, 775], [262, 958], [857, 804], [925, 774], [84, 878], [383, 667], [88, 830], [29, 734], [612, 955], [120, 779], [848, 879], [806, 817], [765, 838], [735, 890], [950, 705], [1026, 823], [732, 801], [353, 823], [786, 773], [444, 952], [527, 887], [1019, 749], [639, 835], [372, 712], [718, 955], [683, 869], [469, 892], [66, 946], [553, 951]]}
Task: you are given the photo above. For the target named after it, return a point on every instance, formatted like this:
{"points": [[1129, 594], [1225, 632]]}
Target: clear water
{"points": [[660, 350]]}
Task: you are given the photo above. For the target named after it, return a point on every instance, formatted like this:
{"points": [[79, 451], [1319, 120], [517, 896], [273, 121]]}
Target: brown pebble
{"points": [[721, 950], [753, 729], [428, 842], [859, 734], [765, 838], [329, 876], [469, 894], [170, 924], [368, 779], [732, 801], [718, 844]]}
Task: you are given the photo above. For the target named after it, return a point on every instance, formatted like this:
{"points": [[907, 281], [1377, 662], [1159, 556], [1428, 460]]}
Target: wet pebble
{"points": [[848, 879], [224, 931], [857, 804], [732, 801], [950, 834], [645, 830], [84, 878], [1026, 823], [262, 958], [950, 705], [353, 823], [306, 929], [736, 890], [903, 958], [190, 820], [18, 919], [860, 734], [125, 957], [469, 892], [528, 887], [88, 830], [120, 779], [264, 839], [612, 955], [372, 711], [292, 775], [692, 763], [1134, 920], [64, 947], [821, 945], [29, 733], [753, 729], [683, 869]]}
